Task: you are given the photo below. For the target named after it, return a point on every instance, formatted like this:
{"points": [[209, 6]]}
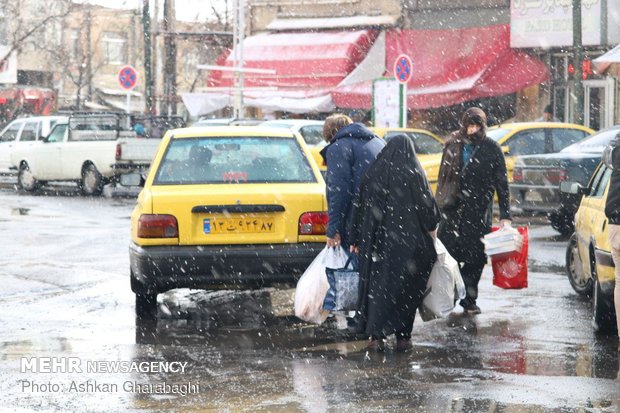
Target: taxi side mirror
{"points": [[573, 188], [506, 149]]}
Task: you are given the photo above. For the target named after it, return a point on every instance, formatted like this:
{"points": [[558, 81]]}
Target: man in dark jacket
{"points": [[611, 156], [472, 169], [351, 149]]}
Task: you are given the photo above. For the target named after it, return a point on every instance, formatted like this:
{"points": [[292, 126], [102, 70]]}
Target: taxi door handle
{"points": [[604, 224]]}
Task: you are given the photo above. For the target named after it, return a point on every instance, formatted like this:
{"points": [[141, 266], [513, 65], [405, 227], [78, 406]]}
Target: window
{"points": [[602, 185], [3, 29], [74, 44], [233, 160], [497, 134], [114, 47], [10, 133], [58, 133], [564, 137], [313, 135], [596, 180], [594, 143], [190, 61], [530, 142], [29, 133], [423, 143]]}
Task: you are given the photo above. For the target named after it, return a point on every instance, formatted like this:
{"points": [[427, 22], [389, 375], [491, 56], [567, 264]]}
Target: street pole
{"points": [[170, 59], [238, 36], [148, 77], [577, 62], [89, 54]]}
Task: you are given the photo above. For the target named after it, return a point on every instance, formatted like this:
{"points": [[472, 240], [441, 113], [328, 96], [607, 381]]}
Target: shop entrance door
{"points": [[598, 103]]}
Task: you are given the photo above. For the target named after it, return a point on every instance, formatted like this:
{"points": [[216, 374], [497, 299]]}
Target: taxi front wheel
{"points": [[603, 318], [579, 280]]}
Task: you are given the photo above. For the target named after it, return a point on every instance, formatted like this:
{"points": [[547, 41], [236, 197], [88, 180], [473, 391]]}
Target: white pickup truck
{"points": [[91, 150]]}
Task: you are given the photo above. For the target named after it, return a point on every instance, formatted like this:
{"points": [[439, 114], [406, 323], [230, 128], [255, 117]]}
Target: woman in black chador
{"points": [[394, 221]]}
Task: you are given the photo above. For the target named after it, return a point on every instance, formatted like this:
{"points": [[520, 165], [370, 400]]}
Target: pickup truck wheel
{"points": [[25, 180], [92, 181], [603, 319], [562, 222], [579, 280]]}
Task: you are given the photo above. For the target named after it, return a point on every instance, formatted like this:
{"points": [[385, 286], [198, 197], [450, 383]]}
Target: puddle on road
{"points": [[20, 211], [255, 321], [251, 354]]}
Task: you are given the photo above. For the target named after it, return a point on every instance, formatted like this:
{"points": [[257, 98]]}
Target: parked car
{"points": [[310, 130], [428, 147], [226, 207], [533, 138], [537, 179], [23, 132], [589, 264], [88, 149]]}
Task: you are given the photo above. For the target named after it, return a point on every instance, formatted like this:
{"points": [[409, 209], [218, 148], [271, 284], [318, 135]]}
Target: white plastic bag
{"points": [[444, 288], [335, 258], [313, 285]]}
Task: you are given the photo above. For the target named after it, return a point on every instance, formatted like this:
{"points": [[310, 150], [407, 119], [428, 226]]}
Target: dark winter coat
{"points": [[348, 156], [612, 159], [392, 217], [465, 223]]}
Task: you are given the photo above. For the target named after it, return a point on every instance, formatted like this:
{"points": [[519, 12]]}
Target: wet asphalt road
{"points": [[65, 293]]}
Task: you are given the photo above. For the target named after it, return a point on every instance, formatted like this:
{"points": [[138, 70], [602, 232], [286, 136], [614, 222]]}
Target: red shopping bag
{"points": [[510, 270]]}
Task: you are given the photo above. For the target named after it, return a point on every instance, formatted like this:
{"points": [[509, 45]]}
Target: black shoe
{"points": [[377, 344], [471, 309], [403, 344]]}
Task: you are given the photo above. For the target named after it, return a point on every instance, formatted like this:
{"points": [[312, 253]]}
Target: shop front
{"points": [[547, 29]]}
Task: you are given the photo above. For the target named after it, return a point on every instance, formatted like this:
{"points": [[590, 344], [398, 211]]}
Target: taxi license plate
{"points": [[235, 225], [533, 197]]}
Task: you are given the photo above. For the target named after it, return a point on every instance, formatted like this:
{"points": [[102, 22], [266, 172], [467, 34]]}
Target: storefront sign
{"points": [[549, 23], [8, 66]]}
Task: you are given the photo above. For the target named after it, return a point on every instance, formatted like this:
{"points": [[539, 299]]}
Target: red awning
{"points": [[310, 62], [453, 66]]}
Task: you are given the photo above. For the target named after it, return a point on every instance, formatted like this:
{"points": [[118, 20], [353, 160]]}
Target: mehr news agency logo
{"points": [[75, 365]]}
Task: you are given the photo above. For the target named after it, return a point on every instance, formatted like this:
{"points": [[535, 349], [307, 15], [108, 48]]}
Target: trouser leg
{"points": [[405, 332], [614, 241], [471, 273], [617, 292]]}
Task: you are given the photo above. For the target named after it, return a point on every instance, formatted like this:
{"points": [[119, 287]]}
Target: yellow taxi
{"points": [[535, 138], [225, 207], [589, 264], [428, 147]]}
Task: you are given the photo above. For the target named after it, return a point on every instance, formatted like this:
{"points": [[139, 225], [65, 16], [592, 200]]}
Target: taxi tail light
{"points": [[119, 152], [313, 223], [157, 226], [517, 174], [555, 176]]}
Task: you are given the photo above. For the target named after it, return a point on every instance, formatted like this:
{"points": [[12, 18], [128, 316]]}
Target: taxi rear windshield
{"points": [[221, 160]]}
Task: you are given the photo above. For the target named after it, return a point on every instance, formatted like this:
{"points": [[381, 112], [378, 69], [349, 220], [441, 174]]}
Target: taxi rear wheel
{"points": [[603, 319], [146, 306], [579, 280]]}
